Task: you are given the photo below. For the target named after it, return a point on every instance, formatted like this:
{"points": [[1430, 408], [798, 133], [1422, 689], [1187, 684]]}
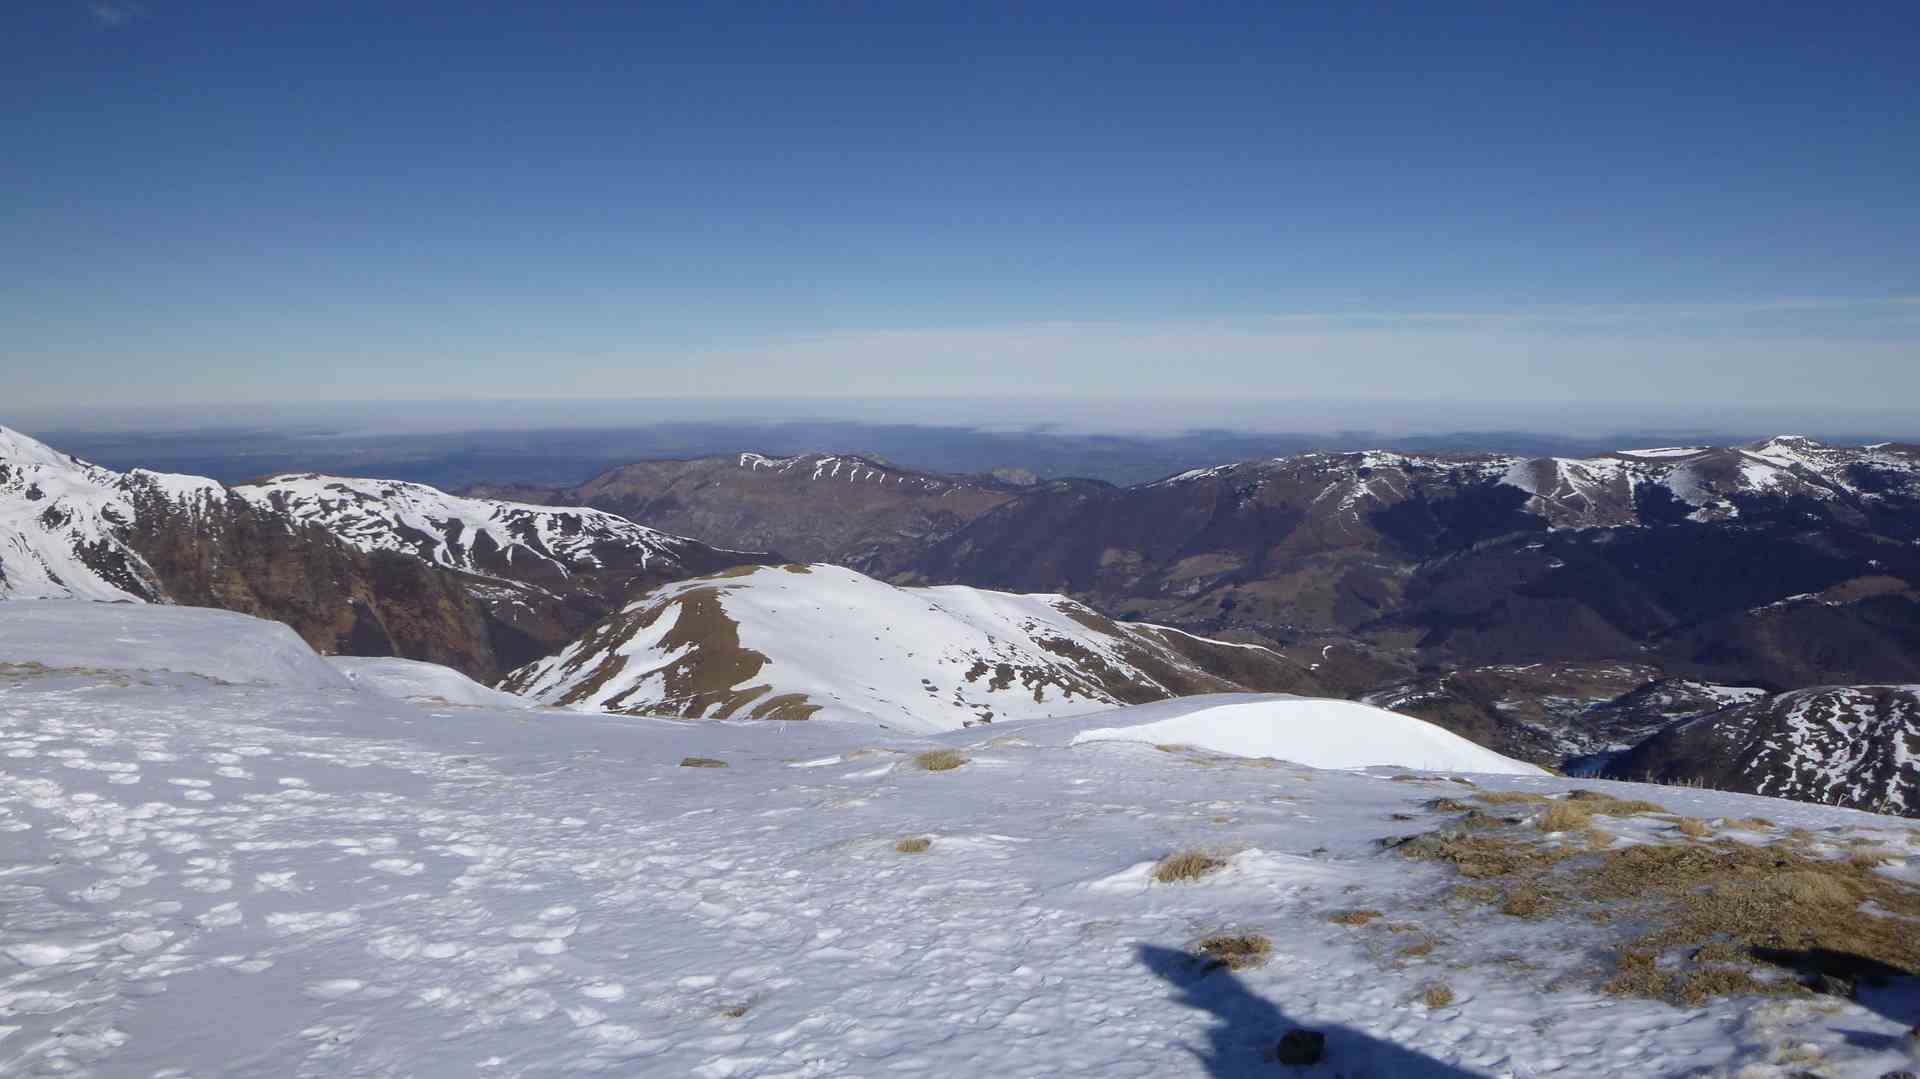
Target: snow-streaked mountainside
{"points": [[428, 683], [1603, 491], [484, 536], [63, 523], [1316, 732], [208, 877], [358, 566], [1840, 745], [824, 642]]}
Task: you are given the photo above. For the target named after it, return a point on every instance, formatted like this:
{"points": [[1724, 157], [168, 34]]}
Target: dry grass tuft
{"points": [[1437, 995], [1504, 798], [1353, 917], [1528, 901], [1872, 859], [940, 760], [1565, 817], [913, 844], [1693, 827], [1608, 805], [1751, 824], [1186, 865], [1479, 857], [701, 762], [1235, 951], [1445, 805]]}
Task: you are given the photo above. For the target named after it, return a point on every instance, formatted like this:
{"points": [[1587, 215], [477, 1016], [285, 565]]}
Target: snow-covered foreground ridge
{"points": [[825, 642], [217, 878]]}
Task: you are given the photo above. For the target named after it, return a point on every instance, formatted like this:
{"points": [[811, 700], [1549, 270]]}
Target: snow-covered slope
{"points": [[141, 637], [1316, 732], [206, 879], [412, 680], [63, 523], [358, 566], [825, 642], [1842, 745], [1588, 492], [503, 539]]}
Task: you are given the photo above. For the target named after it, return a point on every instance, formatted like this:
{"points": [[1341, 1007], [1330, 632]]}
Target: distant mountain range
{"points": [[1781, 563], [1559, 610]]}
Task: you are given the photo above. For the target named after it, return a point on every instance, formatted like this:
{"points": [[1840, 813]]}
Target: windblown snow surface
{"points": [[1314, 731], [214, 878], [413, 680]]}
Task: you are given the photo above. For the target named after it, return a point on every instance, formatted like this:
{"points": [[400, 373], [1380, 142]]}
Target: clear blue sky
{"points": [[341, 200]]}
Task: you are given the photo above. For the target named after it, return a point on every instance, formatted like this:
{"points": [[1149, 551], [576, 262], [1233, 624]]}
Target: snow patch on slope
{"points": [[414, 680], [1317, 732]]}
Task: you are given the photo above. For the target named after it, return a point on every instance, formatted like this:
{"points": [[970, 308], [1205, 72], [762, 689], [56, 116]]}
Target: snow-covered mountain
{"points": [[508, 541], [64, 523], [1840, 745], [356, 566], [798, 641], [213, 873]]}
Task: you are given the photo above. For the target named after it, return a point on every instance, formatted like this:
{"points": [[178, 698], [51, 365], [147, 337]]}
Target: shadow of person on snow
{"points": [[1243, 1040]]}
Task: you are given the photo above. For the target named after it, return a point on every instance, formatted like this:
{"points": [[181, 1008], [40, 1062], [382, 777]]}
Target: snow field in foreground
{"points": [[205, 879]]}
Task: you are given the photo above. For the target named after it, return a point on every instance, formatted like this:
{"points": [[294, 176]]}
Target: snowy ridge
{"points": [[819, 466], [476, 535], [427, 683], [62, 523], [1584, 492], [829, 643], [1316, 732]]}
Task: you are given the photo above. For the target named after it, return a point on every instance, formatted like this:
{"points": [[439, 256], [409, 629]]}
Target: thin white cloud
{"points": [[115, 13]]}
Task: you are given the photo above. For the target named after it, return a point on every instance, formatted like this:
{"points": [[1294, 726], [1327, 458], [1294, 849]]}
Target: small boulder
{"points": [[701, 762]]}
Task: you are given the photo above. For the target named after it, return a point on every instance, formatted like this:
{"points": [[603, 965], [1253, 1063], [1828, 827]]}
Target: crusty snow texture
{"points": [[205, 878]]}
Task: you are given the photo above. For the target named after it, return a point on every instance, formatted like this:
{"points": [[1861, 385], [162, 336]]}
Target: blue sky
{"points": [[1516, 203]]}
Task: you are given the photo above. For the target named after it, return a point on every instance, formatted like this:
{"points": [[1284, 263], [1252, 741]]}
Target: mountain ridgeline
{"points": [[357, 567], [1783, 563], [1640, 610]]}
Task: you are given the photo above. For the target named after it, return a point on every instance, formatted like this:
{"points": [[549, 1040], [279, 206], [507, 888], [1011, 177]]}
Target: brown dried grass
{"points": [[1186, 865]]}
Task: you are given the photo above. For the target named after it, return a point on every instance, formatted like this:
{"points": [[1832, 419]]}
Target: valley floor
{"points": [[200, 879]]}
